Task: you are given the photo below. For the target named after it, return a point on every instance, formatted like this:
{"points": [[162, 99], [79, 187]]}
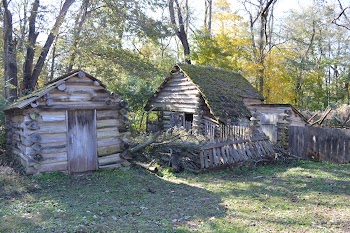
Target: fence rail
{"points": [[235, 132], [321, 144], [235, 151]]}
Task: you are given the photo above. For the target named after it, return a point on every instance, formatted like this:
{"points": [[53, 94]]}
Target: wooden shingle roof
{"points": [[35, 95]]}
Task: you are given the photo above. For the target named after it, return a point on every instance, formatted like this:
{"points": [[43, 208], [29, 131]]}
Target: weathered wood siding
{"points": [[179, 94], [38, 133], [251, 101], [295, 119], [321, 144]]}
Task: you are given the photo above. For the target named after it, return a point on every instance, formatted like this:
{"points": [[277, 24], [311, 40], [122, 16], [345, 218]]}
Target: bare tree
{"points": [[262, 46], [32, 36], [79, 22], [10, 62], [342, 15], [179, 28], [208, 14], [31, 83]]}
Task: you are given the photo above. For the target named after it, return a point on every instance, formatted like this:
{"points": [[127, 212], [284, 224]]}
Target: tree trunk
{"points": [[79, 22], [10, 61], [179, 28], [32, 36], [45, 50], [53, 60]]}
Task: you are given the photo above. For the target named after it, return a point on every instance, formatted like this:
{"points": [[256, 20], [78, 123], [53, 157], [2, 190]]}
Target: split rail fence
{"points": [[320, 144], [232, 152]]}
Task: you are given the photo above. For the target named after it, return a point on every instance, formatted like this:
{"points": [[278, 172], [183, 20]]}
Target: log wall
{"points": [[180, 96], [37, 134]]}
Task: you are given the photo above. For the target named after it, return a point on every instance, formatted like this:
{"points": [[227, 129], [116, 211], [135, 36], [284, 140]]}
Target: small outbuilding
{"points": [[72, 123], [274, 120], [202, 99]]}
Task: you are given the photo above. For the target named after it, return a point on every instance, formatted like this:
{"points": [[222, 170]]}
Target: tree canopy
{"points": [[299, 57]]}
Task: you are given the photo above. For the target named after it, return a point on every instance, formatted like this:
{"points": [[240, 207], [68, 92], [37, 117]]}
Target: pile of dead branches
{"points": [[179, 150], [337, 117], [175, 148]]}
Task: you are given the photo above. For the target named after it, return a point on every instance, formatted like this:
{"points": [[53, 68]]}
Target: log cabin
{"points": [[202, 99], [72, 124]]}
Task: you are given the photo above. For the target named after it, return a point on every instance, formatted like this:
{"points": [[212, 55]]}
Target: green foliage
{"points": [[136, 92]]}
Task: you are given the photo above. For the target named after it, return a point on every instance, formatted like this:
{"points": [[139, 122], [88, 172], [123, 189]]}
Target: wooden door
{"points": [[82, 145], [268, 125]]}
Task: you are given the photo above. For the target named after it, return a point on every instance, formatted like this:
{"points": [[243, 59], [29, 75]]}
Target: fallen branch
{"points": [[146, 143], [152, 169], [174, 138]]}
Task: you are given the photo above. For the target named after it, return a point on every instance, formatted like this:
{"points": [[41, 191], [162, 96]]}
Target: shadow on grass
{"points": [[298, 177], [120, 201], [135, 200], [305, 190]]}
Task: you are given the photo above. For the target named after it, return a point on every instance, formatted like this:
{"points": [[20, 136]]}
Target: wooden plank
{"points": [[47, 138], [56, 158], [247, 150], [237, 156], [201, 158], [211, 158], [223, 144], [192, 93], [180, 84], [108, 142], [59, 166], [108, 150], [113, 158], [187, 101], [80, 106], [220, 159], [109, 166], [107, 114], [227, 153], [223, 154], [80, 80], [52, 128], [108, 132], [108, 123], [206, 158], [81, 86], [214, 157]]}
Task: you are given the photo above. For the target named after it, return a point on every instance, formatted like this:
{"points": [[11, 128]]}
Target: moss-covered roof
{"points": [[30, 98], [222, 90]]}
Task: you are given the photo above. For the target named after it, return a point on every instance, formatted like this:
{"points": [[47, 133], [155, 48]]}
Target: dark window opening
{"points": [[188, 122], [188, 117]]}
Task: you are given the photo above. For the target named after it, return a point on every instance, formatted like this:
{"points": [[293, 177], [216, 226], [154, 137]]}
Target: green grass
{"points": [[298, 197]]}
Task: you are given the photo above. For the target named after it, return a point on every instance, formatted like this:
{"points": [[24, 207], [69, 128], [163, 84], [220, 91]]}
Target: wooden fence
{"points": [[235, 132], [321, 144], [231, 152], [213, 131]]}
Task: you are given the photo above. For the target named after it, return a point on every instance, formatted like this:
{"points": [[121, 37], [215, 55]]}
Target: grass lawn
{"points": [[299, 197]]}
